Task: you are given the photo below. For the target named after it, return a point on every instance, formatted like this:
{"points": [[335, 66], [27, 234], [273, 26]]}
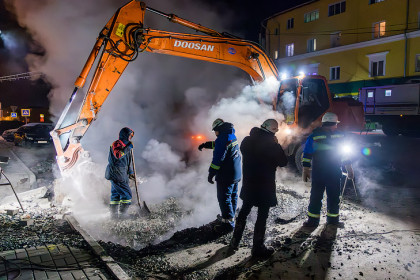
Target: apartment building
{"points": [[353, 43]]}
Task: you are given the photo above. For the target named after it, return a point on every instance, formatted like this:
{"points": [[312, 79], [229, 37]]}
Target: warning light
{"points": [[198, 137], [41, 117]]}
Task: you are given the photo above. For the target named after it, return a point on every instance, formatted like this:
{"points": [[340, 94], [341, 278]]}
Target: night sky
{"points": [[246, 21]]}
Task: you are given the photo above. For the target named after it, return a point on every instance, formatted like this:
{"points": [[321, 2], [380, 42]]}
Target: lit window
{"points": [[276, 54], [311, 47], [290, 49], [379, 29], [377, 63], [337, 8], [311, 16], [417, 62], [388, 92], [375, 1], [370, 94], [335, 73], [290, 23]]}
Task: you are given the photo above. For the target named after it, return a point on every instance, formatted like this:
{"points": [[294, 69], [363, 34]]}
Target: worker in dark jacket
{"points": [[261, 156], [322, 152], [226, 167], [119, 171]]}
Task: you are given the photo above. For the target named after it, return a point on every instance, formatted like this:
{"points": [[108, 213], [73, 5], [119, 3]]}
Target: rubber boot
{"points": [[311, 222], [123, 211], [113, 209], [259, 250]]}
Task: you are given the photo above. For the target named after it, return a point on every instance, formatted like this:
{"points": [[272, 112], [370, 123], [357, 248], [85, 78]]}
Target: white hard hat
{"points": [[217, 122], [270, 125], [330, 117]]}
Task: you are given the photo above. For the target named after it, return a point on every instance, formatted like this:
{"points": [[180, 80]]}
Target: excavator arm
{"points": [[120, 42]]}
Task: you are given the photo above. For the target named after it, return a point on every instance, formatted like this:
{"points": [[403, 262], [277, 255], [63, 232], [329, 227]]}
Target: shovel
{"points": [[144, 207]]}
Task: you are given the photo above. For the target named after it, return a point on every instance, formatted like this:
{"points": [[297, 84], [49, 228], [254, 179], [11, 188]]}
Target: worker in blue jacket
{"points": [[226, 169], [119, 171], [322, 152]]}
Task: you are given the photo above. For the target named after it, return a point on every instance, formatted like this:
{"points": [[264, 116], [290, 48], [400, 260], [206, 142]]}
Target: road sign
{"points": [[13, 108], [25, 112], [13, 115]]}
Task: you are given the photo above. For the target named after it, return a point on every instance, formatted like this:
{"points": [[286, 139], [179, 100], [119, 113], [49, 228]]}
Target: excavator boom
{"points": [[122, 39]]}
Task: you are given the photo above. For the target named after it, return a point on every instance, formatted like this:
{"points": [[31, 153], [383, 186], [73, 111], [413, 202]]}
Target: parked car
{"points": [[33, 133], [5, 125], [9, 135]]}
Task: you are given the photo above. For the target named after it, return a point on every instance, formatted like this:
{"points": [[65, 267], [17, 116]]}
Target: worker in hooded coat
{"points": [[322, 152], [226, 169], [262, 154], [119, 171]]}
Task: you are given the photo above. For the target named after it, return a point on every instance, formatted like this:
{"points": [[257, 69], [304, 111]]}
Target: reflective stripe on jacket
{"points": [[226, 157], [322, 151]]}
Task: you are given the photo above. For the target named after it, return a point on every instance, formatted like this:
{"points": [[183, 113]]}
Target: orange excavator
{"points": [[124, 37]]}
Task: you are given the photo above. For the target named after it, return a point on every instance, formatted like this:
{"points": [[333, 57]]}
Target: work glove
{"points": [[132, 177], [350, 172], [212, 174], [306, 174], [206, 145]]}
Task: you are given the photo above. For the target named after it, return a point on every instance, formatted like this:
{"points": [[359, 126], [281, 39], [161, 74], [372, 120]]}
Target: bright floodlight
{"points": [[346, 149], [301, 74], [284, 76], [288, 131]]}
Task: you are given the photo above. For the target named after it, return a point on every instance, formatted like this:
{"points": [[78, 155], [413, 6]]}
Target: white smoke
{"points": [[164, 99]]}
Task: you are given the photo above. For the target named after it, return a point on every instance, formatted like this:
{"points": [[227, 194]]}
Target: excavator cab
{"points": [[313, 101], [308, 94]]}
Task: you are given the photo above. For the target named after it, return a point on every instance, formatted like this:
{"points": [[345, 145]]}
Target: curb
{"points": [[116, 270]]}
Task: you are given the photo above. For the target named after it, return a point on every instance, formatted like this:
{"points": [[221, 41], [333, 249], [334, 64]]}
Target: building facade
{"points": [[353, 43]]}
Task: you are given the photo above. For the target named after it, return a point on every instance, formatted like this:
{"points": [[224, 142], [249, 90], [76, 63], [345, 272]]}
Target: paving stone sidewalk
{"points": [[51, 262]]}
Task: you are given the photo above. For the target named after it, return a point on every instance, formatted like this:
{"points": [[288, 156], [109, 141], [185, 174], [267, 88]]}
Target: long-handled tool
{"points": [[135, 183], [344, 186]]}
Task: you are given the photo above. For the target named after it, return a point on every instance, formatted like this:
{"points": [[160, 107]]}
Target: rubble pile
{"points": [[43, 171], [142, 229], [153, 259]]}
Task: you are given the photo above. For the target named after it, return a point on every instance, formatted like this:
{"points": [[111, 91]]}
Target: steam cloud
{"points": [[164, 99]]}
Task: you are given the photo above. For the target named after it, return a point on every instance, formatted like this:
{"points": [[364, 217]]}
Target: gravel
{"points": [[45, 230]]}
